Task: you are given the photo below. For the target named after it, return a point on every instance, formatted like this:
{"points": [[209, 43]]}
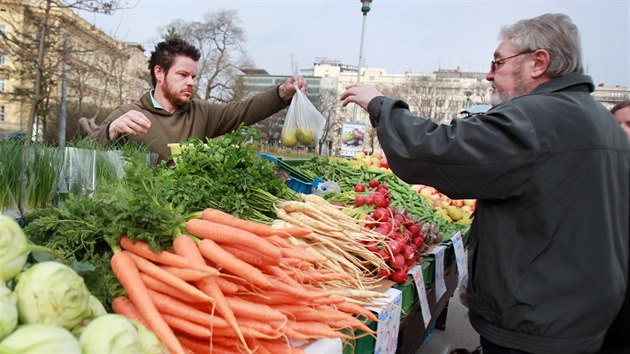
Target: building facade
{"points": [[98, 71]]}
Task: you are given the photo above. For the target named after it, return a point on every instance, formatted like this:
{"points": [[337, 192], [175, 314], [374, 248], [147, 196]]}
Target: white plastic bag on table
{"points": [[303, 124]]}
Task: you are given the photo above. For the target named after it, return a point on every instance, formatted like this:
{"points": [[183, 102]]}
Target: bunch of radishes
{"points": [[405, 237]]}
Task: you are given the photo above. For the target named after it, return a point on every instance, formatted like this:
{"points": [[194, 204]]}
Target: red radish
{"points": [[372, 246], [373, 183], [359, 200], [399, 276], [385, 273], [381, 214], [414, 229], [369, 222], [418, 241], [359, 187], [397, 262], [384, 254], [395, 247]]}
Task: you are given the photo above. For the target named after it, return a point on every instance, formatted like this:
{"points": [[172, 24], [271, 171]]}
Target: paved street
{"points": [[458, 332]]}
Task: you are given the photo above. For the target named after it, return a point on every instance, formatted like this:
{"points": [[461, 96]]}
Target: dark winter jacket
{"points": [[548, 256]]}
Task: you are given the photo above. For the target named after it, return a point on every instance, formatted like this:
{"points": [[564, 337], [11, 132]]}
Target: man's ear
{"points": [[159, 73], [542, 59]]}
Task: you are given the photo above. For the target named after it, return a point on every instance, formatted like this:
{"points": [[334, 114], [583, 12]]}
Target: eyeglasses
{"points": [[496, 64]]}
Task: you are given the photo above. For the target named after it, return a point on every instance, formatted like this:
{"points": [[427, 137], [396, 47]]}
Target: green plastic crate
{"points": [[364, 344], [409, 295]]}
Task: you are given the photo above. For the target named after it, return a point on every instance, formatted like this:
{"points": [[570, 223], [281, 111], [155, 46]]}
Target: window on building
{"points": [[1, 113], [2, 81], [2, 58]]}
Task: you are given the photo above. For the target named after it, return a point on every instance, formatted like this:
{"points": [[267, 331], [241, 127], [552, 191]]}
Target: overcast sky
{"points": [[400, 35]]}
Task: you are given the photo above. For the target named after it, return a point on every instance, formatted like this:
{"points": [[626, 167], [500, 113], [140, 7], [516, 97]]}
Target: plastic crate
{"points": [[409, 295], [269, 157], [299, 186], [361, 344]]}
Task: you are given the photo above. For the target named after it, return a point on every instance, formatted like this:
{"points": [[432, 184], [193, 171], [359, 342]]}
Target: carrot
{"points": [[260, 312], [271, 297], [146, 266], [175, 307], [316, 276], [182, 325], [276, 346], [227, 219], [311, 329], [257, 228], [291, 286], [128, 275], [185, 246], [227, 287], [169, 306], [167, 258], [186, 274], [355, 309], [227, 234], [213, 290], [223, 259], [293, 231], [195, 345], [122, 306], [295, 251], [163, 288], [249, 255]]}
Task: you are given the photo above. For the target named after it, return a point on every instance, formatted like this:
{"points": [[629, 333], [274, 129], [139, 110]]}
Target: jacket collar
{"points": [[575, 81], [147, 103]]}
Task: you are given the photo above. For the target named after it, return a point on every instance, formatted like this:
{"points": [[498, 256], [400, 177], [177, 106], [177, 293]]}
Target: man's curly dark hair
{"points": [[165, 53]]}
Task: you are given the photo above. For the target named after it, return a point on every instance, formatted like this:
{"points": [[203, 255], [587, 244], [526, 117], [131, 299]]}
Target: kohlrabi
{"points": [[40, 338], [52, 293], [14, 248], [8, 311], [109, 334]]}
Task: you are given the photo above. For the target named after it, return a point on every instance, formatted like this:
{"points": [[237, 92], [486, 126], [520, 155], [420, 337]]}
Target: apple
{"points": [[427, 191], [288, 138]]}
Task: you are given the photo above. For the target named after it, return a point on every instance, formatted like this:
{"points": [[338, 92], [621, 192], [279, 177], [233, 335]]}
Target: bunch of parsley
{"points": [[86, 229], [225, 173]]}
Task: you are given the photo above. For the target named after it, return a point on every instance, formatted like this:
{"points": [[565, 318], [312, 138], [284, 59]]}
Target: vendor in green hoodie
{"points": [[169, 114]]}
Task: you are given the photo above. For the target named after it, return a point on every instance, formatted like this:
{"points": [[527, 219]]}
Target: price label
{"points": [[440, 283], [418, 277], [388, 322], [460, 256]]}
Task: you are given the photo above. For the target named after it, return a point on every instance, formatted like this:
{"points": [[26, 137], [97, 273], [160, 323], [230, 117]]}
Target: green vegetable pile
{"points": [[403, 197], [225, 174], [152, 205]]}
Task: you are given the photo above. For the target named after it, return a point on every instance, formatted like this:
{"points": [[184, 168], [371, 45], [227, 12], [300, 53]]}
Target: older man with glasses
{"points": [[550, 169]]}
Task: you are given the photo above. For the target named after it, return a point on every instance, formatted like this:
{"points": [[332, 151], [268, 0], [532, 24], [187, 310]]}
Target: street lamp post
{"points": [[365, 8]]}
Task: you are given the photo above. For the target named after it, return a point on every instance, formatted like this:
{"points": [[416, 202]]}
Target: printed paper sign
{"points": [[388, 322], [460, 256], [352, 138], [440, 283], [418, 277]]}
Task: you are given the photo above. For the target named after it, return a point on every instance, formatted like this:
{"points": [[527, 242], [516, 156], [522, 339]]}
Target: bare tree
{"points": [[38, 55], [219, 37], [328, 102]]}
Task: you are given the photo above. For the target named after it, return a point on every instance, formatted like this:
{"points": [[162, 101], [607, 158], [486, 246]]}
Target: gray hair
{"points": [[555, 33]]}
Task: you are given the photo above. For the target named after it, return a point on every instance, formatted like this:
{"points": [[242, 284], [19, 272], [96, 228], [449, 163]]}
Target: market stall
{"points": [[363, 258]]}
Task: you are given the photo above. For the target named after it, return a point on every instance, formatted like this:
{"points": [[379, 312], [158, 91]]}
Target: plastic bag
{"points": [[303, 124]]}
